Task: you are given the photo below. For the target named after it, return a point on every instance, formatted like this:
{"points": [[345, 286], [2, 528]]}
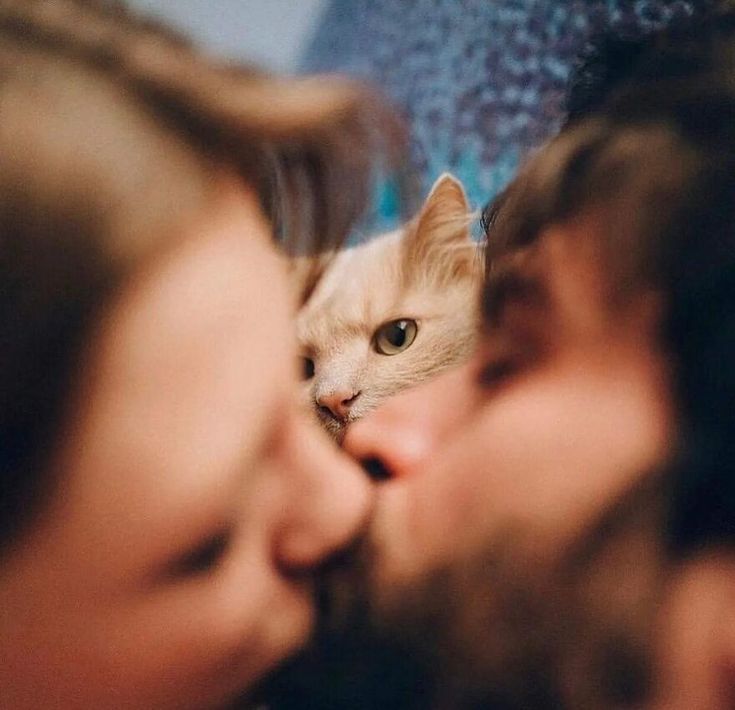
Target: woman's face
{"points": [[173, 565]]}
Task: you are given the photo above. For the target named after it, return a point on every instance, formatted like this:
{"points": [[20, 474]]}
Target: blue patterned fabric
{"points": [[481, 82]]}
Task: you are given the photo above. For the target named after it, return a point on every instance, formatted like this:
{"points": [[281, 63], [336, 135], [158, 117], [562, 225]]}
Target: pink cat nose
{"points": [[338, 403]]}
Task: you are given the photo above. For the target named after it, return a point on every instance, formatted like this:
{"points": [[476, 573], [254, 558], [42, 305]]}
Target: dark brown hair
{"points": [[113, 129], [645, 156], [655, 162]]}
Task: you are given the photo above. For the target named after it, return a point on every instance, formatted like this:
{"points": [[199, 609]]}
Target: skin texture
{"points": [[173, 566], [696, 642], [429, 272]]}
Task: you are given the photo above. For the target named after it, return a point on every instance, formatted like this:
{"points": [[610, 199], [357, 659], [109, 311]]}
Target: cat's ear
{"points": [[444, 218]]}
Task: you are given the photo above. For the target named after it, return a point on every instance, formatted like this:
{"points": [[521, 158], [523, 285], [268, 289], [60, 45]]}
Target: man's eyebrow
{"points": [[507, 287]]}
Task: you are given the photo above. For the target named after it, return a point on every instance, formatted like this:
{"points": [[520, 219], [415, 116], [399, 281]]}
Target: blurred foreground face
{"points": [[498, 466], [173, 565], [565, 404]]}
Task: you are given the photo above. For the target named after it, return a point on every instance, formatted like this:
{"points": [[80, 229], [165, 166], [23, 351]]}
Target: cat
{"points": [[392, 312]]}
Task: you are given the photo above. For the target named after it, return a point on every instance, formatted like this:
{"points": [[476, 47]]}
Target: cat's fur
{"points": [[429, 272]]}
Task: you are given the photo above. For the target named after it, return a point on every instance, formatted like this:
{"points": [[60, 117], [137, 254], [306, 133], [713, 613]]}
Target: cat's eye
{"points": [[307, 368], [394, 337]]}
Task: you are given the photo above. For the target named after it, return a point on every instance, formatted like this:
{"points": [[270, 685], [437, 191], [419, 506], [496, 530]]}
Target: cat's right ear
{"points": [[444, 219]]}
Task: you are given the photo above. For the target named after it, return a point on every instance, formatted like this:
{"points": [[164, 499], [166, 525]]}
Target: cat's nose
{"points": [[339, 402]]}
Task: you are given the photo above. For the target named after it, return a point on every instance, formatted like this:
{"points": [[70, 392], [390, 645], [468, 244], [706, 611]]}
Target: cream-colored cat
{"points": [[392, 312]]}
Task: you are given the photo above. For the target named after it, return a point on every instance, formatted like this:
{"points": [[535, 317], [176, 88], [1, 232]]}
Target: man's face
{"points": [[519, 453]]}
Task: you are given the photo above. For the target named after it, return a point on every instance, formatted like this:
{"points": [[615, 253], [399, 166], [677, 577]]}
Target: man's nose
{"points": [[400, 437]]}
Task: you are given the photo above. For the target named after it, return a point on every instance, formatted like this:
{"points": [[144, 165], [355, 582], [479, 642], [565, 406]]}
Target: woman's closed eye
{"points": [[202, 558]]}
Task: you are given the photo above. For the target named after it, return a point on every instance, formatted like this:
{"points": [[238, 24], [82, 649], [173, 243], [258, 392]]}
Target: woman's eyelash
{"points": [[203, 557]]}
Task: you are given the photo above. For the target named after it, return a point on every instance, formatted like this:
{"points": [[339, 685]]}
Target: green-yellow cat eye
{"points": [[394, 337]]}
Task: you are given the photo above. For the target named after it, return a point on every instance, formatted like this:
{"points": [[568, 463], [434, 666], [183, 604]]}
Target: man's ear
{"points": [[444, 219], [729, 640], [698, 641]]}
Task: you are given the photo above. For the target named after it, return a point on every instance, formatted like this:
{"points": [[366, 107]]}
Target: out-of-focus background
{"points": [[272, 33], [481, 82]]}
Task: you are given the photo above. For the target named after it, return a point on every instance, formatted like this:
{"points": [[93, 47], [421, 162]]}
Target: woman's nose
{"points": [[330, 501], [400, 437]]}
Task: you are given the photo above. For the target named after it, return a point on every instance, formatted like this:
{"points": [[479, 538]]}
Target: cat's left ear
{"points": [[445, 216]]}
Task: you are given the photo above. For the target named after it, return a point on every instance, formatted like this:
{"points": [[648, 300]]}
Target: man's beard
{"points": [[354, 660], [457, 639], [509, 628]]}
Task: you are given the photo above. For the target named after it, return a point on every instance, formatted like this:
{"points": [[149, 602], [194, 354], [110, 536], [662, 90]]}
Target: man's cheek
{"points": [[455, 502], [512, 461]]}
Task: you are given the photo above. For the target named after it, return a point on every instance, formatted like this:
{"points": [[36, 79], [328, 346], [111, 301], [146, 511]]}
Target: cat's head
{"points": [[392, 312]]}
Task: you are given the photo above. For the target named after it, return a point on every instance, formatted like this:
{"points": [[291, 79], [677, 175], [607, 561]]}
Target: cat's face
{"points": [[392, 312]]}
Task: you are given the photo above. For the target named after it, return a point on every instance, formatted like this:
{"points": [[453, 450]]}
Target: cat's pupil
{"points": [[396, 334], [307, 365], [394, 337]]}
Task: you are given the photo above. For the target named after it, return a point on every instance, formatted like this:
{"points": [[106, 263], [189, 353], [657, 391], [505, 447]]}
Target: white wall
{"points": [[272, 33]]}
